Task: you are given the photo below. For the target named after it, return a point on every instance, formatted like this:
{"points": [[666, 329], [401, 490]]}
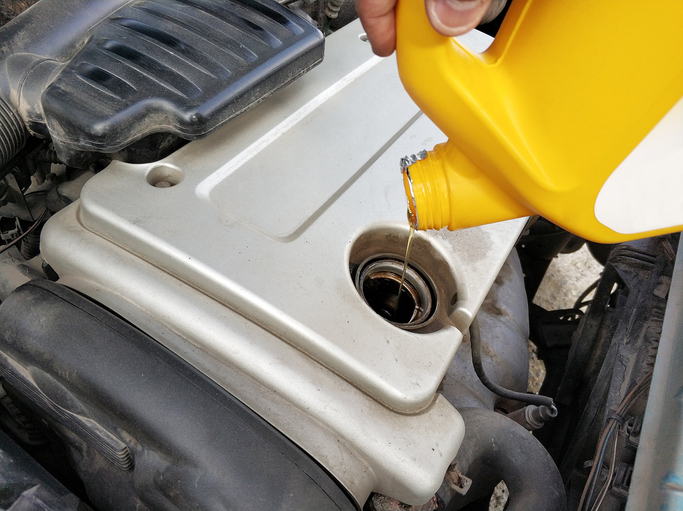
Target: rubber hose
{"points": [[13, 134], [532, 399], [496, 448], [30, 245]]}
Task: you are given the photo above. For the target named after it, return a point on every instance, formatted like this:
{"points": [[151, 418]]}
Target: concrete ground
{"points": [[568, 276]]}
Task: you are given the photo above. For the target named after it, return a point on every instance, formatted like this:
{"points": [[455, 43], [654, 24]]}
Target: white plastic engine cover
{"points": [[242, 268]]}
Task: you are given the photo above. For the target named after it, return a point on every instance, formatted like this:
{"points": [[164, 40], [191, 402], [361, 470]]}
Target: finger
{"points": [[379, 21], [455, 17]]}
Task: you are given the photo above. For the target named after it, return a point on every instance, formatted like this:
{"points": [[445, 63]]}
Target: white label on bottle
{"points": [[645, 192]]}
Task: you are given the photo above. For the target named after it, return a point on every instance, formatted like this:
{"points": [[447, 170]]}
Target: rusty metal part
{"points": [[458, 481]]}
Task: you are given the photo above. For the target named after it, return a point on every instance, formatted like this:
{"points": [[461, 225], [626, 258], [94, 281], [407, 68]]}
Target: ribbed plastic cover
{"points": [[175, 66]]}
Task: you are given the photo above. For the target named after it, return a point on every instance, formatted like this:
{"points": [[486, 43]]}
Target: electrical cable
{"points": [[36, 192], [597, 465], [25, 233], [28, 208], [580, 300], [612, 423], [532, 399], [610, 478]]}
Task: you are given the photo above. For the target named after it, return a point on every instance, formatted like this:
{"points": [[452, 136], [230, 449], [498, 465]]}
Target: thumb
{"points": [[455, 17]]}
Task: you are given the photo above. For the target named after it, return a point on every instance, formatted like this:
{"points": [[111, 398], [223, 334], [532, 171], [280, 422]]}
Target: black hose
{"points": [[496, 448], [30, 245], [13, 134], [532, 399]]}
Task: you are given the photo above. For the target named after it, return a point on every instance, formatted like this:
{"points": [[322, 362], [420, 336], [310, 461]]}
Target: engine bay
{"points": [[200, 216]]}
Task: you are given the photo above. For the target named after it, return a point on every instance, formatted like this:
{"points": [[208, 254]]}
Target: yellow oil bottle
{"points": [[575, 113]]}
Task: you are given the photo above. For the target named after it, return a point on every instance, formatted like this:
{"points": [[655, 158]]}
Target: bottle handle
{"points": [[444, 77]]}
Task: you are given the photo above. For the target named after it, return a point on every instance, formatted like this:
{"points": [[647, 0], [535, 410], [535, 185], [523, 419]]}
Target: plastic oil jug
{"points": [[575, 112]]}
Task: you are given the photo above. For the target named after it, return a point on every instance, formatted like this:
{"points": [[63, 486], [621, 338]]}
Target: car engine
{"points": [[202, 228]]}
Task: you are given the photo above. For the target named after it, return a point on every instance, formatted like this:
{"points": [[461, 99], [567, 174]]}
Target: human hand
{"points": [[448, 17]]}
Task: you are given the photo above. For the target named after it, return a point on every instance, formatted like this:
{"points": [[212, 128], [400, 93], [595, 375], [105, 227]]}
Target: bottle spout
{"points": [[445, 189]]}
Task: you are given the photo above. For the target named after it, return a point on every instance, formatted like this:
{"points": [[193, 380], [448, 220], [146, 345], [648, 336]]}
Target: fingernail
{"points": [[455, 17]]}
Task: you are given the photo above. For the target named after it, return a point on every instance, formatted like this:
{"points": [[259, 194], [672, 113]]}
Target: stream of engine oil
{"points": [[405, 267]]}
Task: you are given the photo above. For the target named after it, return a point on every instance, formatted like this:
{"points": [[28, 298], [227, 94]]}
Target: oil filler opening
{"points": [[378, 281]]}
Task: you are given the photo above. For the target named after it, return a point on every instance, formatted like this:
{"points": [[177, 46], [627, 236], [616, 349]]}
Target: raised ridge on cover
{"points": [[176, 66]]}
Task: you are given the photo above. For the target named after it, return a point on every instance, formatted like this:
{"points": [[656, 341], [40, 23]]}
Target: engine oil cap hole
{"points": [[378, 283]]}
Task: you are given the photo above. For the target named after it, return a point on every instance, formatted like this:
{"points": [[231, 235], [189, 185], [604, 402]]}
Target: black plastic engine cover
{"points": [[175, 66], [145, 430]]}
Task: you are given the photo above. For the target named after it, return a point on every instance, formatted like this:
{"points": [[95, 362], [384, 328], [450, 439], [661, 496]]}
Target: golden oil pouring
{"points": [[405, 267]]}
